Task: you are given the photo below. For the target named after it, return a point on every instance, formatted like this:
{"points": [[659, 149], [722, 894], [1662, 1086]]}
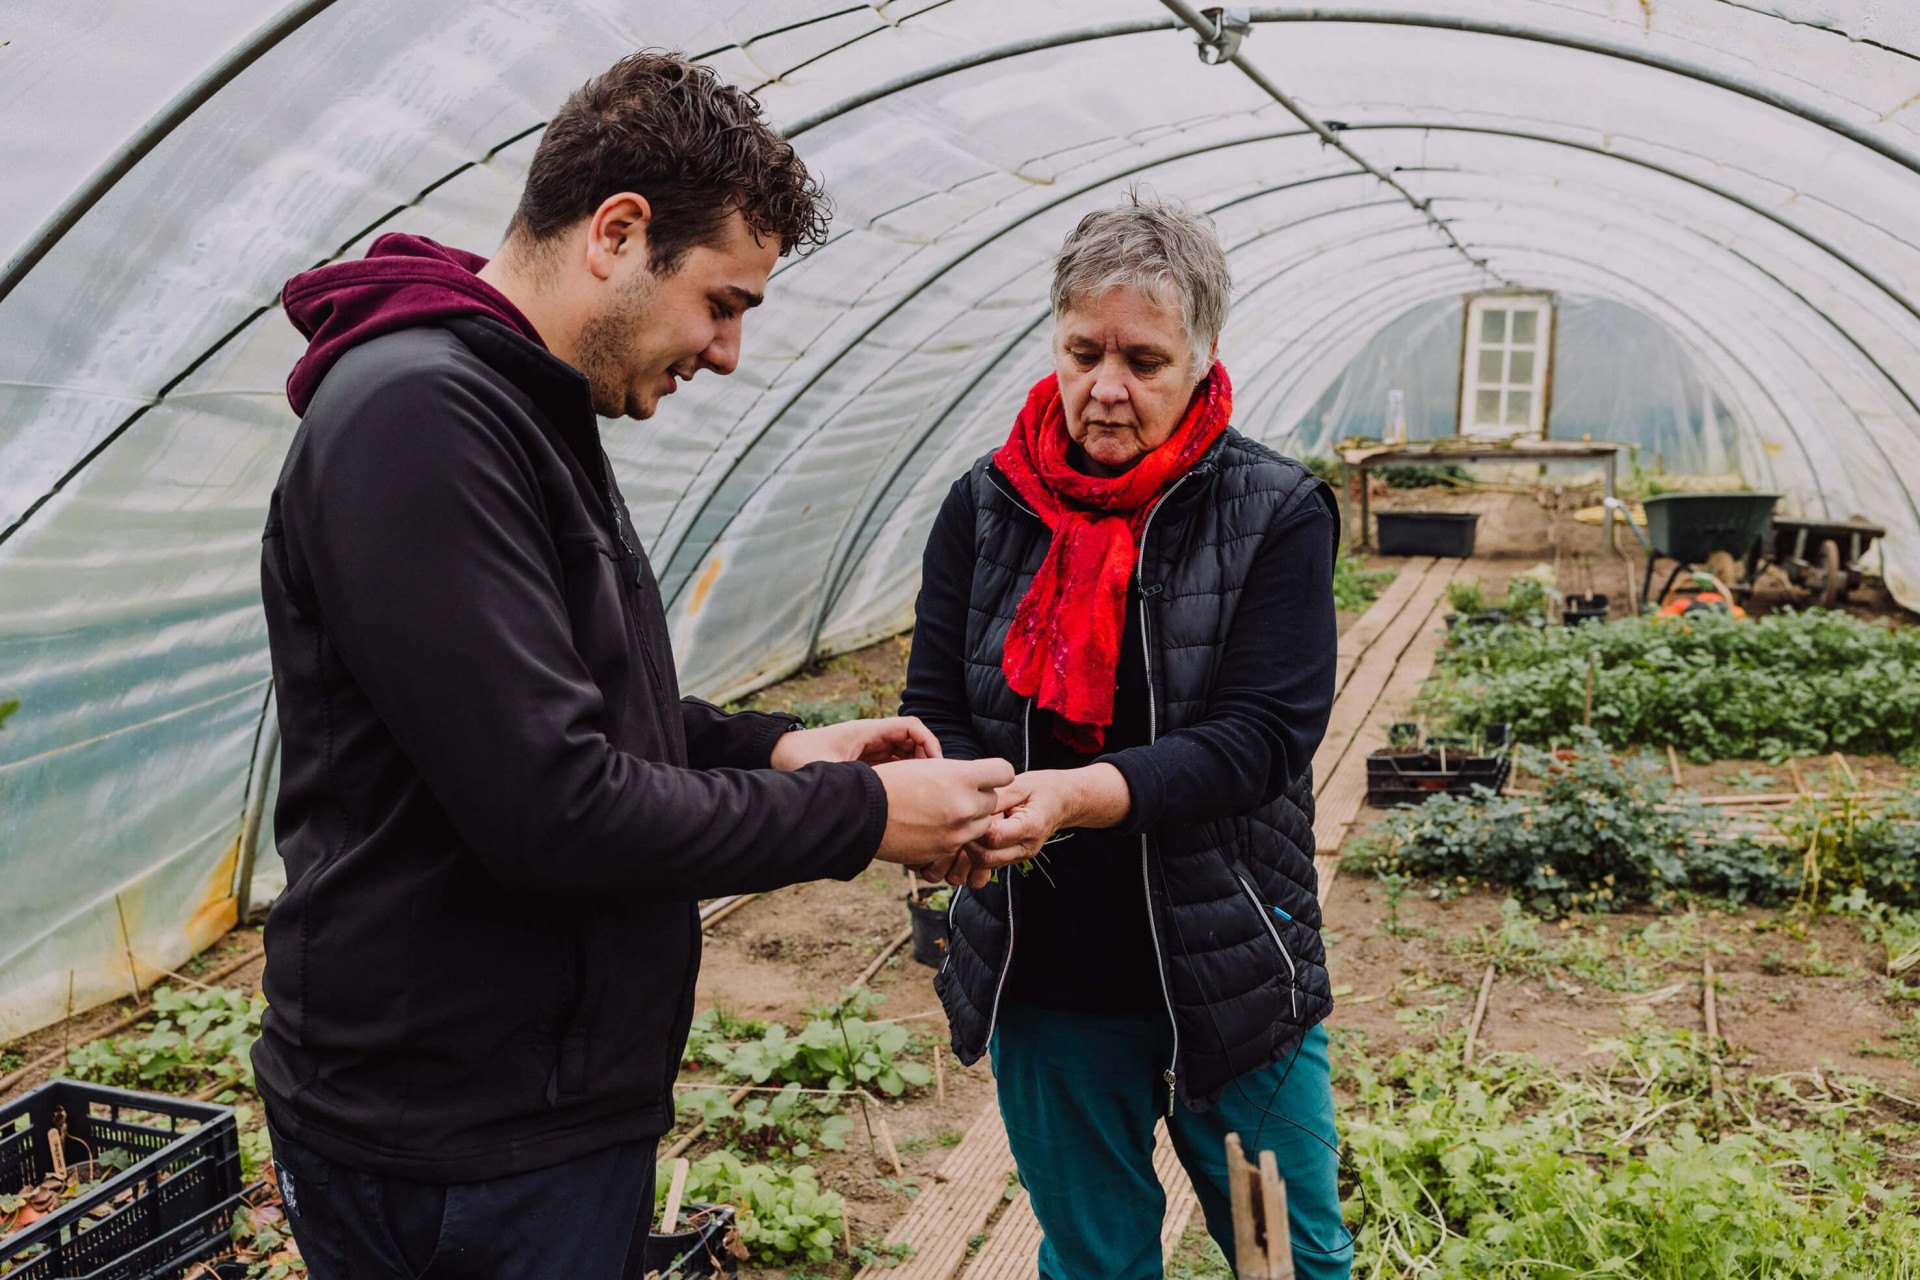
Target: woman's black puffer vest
{"points": [[1243, 981]]}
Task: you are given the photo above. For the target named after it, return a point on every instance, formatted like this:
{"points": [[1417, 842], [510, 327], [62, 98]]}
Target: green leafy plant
{"points": [[1714, 687], [714, 1034], [1466, 596], [783, 1214], [1845, 840], [1506, 1169], [832, 1054], [787, 1122], [1438, 475], [1354, 585], [1606, 830], [938, 900], [199, 1039]]}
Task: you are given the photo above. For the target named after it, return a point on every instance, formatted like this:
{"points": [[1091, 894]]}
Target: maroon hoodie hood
{"points": [[403, 282]]}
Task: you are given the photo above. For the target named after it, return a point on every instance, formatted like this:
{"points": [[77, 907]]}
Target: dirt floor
{"points": [[1796, 995]]}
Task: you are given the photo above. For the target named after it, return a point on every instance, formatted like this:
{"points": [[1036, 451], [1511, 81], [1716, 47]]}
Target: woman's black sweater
{"points": [[1085, 944]]}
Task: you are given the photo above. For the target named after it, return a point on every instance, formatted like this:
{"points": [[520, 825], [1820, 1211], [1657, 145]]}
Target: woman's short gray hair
{"points": [[1155, 247]]}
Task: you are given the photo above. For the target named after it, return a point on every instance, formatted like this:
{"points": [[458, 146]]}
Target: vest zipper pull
{"points": [[1168, 1077]]}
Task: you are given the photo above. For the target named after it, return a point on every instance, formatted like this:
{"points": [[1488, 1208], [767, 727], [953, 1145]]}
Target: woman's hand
{"points": [[867, 741], [1036, 807]]}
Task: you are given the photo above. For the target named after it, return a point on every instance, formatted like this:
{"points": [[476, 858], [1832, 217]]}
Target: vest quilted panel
{"points": [[1243, 984]]}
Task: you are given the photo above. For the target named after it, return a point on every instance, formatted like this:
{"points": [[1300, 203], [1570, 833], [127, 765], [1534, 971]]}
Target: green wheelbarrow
{"points": [[1692, 528]]}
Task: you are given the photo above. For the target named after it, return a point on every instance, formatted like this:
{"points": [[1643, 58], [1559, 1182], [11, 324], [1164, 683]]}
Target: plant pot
{"points": [[706, 1248], [929, 931], [1579, 609], [1427, 533]]}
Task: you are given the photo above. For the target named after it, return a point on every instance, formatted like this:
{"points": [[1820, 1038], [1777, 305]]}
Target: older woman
{"points": [[1134, 603]]}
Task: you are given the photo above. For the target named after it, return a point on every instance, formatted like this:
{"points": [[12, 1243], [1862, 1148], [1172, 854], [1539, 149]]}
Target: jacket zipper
{"points": [[1153, 733], [1293, 974]]}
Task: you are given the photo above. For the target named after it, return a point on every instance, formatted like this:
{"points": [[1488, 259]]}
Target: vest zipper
{"points": [[1169, 1076], [1006, 967], [1293, 974], [1026, 762]]}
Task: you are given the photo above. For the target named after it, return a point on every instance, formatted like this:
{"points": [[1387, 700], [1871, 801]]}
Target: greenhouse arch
{"points": [[1744, 178]]}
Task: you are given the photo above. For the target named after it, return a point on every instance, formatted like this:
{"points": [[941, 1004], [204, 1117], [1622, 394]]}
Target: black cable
{"points": [[1267, 1112]]}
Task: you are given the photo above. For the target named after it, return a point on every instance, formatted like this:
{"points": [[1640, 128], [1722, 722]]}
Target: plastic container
{"points": [[1579, 609], [162, 1217], [1403, 777], [929, 929], [1426, 533], [703, 1249], [1690, 527]]}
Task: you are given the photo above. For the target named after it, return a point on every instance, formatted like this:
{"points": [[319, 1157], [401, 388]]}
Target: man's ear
{"points": [[617, 232]]}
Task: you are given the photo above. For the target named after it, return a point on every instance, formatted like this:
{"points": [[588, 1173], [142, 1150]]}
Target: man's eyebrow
{"points": [[741, 298]]}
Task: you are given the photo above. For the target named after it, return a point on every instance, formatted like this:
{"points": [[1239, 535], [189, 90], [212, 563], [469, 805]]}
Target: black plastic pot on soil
{"points": [[929, 926], [1579, 609], [702, 1249], [1427, 533]]}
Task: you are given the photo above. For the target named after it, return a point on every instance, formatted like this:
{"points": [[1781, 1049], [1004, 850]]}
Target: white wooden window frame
{"points": [[1506, 365]]}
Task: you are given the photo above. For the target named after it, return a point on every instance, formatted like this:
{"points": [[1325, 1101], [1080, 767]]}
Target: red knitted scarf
{"points": [[1064, 646]]}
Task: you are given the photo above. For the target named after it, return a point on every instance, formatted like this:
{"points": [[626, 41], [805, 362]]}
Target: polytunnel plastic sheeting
{"points": [[1668, 412], [1742, 175]]}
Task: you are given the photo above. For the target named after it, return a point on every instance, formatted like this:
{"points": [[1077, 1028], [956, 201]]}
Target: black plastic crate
{"points": [[161, 1218], [1404, 777], [1426, 533]]}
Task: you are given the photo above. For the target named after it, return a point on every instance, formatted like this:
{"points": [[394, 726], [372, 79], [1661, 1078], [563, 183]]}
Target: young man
{"points": [[497, 812]]}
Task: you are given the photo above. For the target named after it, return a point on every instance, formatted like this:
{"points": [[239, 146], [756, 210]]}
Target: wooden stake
{"points": [[891, 1152], [940, 1073], [670, 1216], [1793, 771], [846, 1231], [1273, 1196], [1840, 763], [1587, 719], [1711, 1008], [1262, 1241], [66, 1028], [1673, 759], [1479, 1015]]}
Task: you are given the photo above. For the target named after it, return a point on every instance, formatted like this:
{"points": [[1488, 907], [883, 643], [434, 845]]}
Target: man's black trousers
{"points": [[586, 1219]]}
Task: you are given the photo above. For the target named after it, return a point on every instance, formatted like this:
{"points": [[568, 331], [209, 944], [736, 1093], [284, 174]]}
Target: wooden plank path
{"points": [[1395, 654], [1383, 658], [1012, 1251]]}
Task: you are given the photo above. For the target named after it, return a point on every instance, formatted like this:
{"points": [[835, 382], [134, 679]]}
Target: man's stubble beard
{"points": [[607, 346]]}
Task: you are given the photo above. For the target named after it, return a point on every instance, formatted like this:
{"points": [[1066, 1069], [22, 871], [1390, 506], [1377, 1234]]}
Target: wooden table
{"points": [[1455, 449]]}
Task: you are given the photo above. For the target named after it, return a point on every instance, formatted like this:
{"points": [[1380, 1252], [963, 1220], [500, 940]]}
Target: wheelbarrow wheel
{"points": [[1833, 578]]}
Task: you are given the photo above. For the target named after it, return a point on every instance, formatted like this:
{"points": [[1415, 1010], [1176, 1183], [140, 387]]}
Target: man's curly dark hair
{"points": [[697, 148]]}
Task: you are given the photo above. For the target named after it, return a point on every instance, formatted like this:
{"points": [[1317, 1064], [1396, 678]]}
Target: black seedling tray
{"points": [[1404, 777], [161, 1218]]}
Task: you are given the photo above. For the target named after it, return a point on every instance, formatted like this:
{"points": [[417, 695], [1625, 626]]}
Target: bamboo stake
{"points": [[886, 954], [1711, 1009], [940, 1073], [1587, 719], [887, 1148], [1673, 759], [126, 940], [670, 1216], [1479, 1015]]}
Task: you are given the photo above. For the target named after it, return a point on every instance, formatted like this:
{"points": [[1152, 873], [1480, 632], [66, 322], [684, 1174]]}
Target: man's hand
{"points": [[868, 741], [1035, 808], [936, 806]]}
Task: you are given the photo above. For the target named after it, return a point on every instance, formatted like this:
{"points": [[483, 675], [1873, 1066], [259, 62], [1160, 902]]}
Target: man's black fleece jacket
{"points": [[497, 812]]}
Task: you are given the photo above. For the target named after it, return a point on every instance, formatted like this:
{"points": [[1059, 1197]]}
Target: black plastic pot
{"points": [[929, 931], [1427, 533], [1405, 777], [1588, 609], [701, 1250]]}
